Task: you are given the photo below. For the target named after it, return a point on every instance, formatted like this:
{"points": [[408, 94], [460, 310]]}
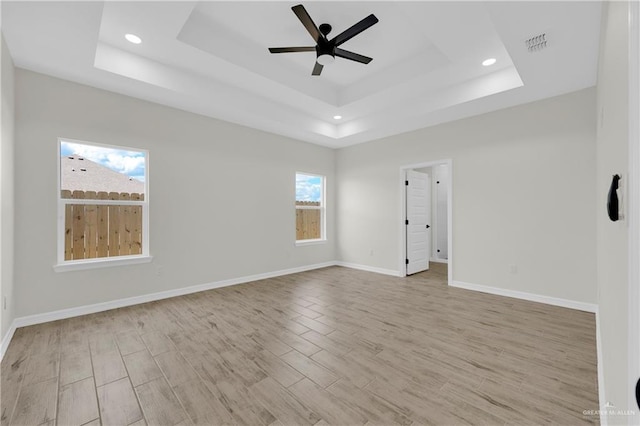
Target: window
{"points": [[103, 212], [310, 208]]}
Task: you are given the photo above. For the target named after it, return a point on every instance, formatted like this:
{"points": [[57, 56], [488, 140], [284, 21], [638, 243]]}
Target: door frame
{"points": [[402, 214], [634, 209]]}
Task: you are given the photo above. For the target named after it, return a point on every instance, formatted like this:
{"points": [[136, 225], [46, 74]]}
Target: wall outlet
{"points": [[513, 269]]}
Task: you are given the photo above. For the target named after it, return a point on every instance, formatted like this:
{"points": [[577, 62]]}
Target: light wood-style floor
{"points": [[331, 346]]}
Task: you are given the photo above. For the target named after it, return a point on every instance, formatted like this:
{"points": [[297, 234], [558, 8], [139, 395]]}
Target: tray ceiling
{"points": [[211, 58]]}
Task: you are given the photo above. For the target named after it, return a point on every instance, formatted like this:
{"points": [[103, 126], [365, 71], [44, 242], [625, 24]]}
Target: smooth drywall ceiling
{"points": [[221, 196], [6, 188], [523, 197], [612, 158]]}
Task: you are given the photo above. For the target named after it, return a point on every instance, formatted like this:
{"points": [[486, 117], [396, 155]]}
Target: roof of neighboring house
{"points": [[81, 174]]}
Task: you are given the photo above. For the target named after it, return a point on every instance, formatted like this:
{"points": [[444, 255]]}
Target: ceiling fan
{"points": [[327, 50]]}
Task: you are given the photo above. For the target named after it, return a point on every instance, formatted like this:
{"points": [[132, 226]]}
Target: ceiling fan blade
{"points": [[317, 69], [353, 31], [308, 23], [292, 49], [353, 56]]}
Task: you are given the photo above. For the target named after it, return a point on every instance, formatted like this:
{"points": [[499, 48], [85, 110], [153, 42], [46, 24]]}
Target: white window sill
{"points": [[310, 242], [106, 262]]}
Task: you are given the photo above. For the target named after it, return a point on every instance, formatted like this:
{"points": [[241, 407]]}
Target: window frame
{"points": [[63, 265], [322, 208]]}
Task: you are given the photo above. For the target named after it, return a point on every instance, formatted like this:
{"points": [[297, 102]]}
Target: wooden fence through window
{"points": [[308, 221], [99, 230]]}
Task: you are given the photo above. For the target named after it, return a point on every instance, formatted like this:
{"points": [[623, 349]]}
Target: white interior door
{"points": [[418, 221]]}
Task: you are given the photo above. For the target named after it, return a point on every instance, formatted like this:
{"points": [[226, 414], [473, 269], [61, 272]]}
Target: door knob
{"points": [[428, 227]]}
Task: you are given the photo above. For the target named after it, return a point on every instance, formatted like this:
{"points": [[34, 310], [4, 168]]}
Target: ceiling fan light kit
{"points": [[327, 50], [325, 59]]}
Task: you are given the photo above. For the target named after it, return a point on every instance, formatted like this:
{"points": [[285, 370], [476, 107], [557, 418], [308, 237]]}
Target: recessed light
{"points": [[337, 117], [132, 38], [489, 62]]}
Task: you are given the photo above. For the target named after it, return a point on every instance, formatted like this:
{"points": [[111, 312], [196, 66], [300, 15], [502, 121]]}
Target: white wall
{"points": [[523, 195], [221, 195], [612, 158], [6, 191]]}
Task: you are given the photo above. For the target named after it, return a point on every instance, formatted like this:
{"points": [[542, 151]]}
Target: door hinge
{"points": [[406, 261], [406, 182], [406, 222]]}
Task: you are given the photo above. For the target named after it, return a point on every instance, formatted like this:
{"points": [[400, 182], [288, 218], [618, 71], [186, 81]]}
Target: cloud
{"points": [[130, 163], [124, 163], [308, 188]]}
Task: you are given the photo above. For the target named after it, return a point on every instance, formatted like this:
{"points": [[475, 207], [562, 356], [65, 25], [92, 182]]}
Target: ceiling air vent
{"points": [[536, 43]]}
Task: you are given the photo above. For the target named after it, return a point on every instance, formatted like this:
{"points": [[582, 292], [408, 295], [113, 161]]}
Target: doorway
{"points": [[426, 216]]}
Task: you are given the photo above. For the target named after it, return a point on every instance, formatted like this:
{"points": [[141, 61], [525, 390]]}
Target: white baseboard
{"points": [[565, 303], [129, 301], [368, 268], [6, 339], [602, 400], [436, 260]]}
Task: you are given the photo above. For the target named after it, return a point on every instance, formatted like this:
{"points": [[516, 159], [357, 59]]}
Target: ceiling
{"points": [[211, 58]]}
